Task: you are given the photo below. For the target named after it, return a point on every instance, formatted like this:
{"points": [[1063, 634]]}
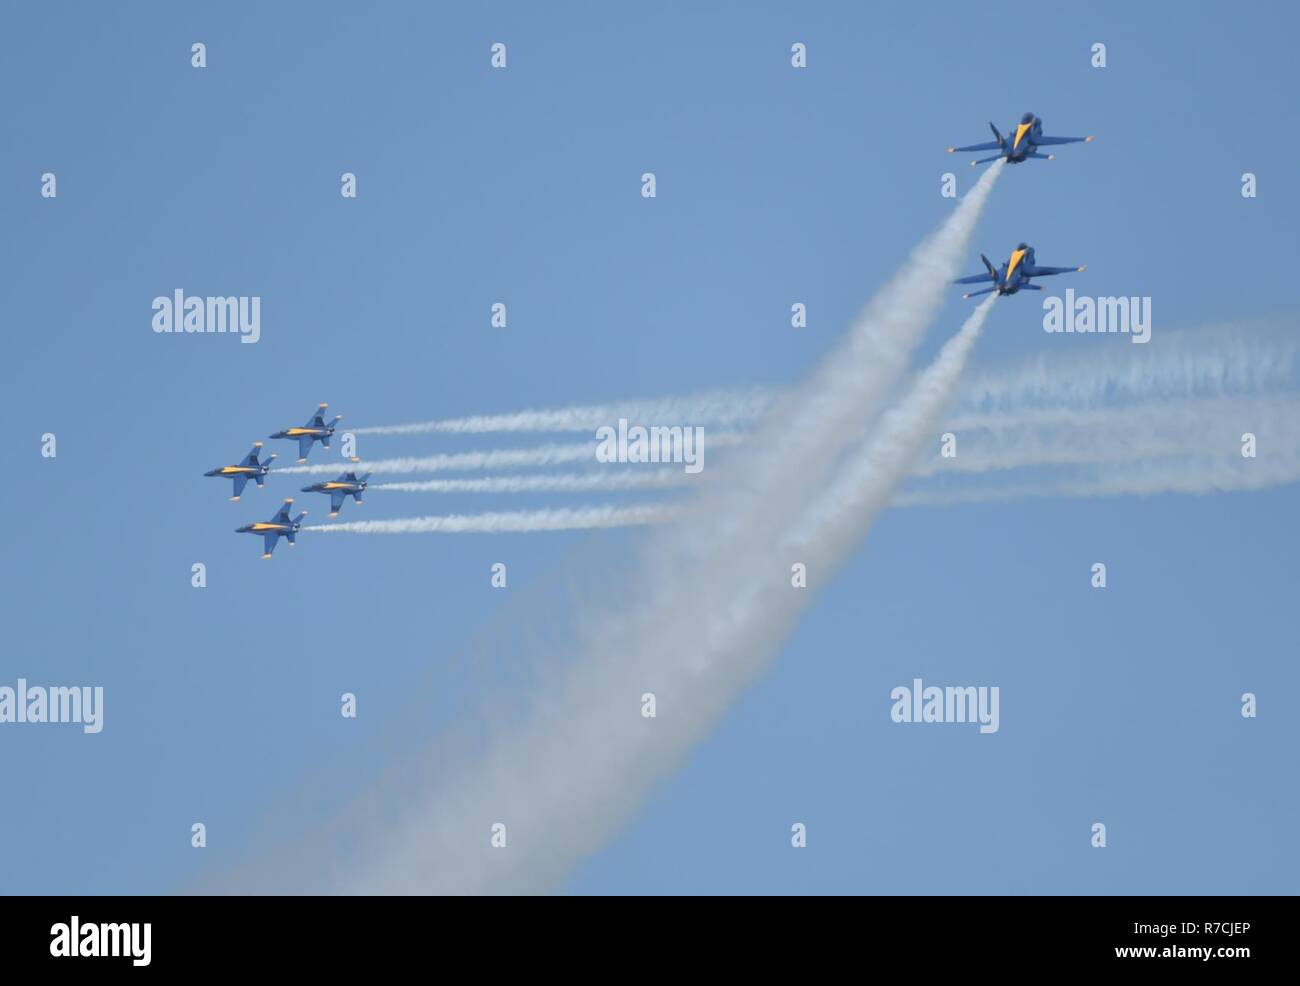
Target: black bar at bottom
{"points": [[169, 936]]}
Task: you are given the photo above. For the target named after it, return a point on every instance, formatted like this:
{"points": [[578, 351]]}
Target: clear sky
{"points": [[521, 186]]}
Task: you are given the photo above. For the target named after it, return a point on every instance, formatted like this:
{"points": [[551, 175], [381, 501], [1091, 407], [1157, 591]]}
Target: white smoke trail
{"points": [[798, 441], [712, 606], [626, 479], [1049, 437], [538, 456], [843, 514], [563, 519], [1188, 476], [1214, 361], [721, 408], [507, 458], [989, 442]]}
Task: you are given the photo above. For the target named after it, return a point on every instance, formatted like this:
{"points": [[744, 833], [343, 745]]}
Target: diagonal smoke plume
{"points": [[714, 602]]}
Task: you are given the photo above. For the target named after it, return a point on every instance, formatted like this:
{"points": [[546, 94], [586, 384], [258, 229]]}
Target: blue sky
{"points": [[522, 186]]}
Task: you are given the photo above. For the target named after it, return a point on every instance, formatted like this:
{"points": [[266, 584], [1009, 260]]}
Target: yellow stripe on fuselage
{"points": [[229, 469], [1013, 263], [264, 526], [337, 486], [295, 432], [1020, 133]]}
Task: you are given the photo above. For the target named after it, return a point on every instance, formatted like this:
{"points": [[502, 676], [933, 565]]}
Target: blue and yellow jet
{"points": [[1029, 137], [1014, 275], [315, 430], [347, 485], [249, 468], [279, 526]]}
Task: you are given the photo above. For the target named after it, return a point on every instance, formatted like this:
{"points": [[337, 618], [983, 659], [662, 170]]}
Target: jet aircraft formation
{"points": [[253, 466], [1015, 275]]}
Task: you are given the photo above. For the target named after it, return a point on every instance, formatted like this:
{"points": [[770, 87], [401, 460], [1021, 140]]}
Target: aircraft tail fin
{"points": [[1000, 139], [993, 271]]}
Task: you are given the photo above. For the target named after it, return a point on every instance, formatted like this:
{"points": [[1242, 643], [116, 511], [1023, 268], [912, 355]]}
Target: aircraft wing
{"points": [[974, 279], [1044, 271], [1050, 141], [304, 446], [336, 500], [990, 145], [269, 540], [240, 483]]}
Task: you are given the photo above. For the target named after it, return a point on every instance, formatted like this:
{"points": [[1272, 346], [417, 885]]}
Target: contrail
{"points": [[798, 441], [539, 456], [720, 408], [706, 615], [1182, 432], [864, 487], [712, 606], [582, 518], [1188, 476], [697, 620], [1048, 437], [624, 479], [506, 458], [1214, 361], [843, 514]]}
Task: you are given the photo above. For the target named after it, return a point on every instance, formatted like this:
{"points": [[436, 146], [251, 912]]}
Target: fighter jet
{"points": [[1014, 275], [348, 484], [1029, 137], [249, 468], [279, 526], [315, 430]]}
